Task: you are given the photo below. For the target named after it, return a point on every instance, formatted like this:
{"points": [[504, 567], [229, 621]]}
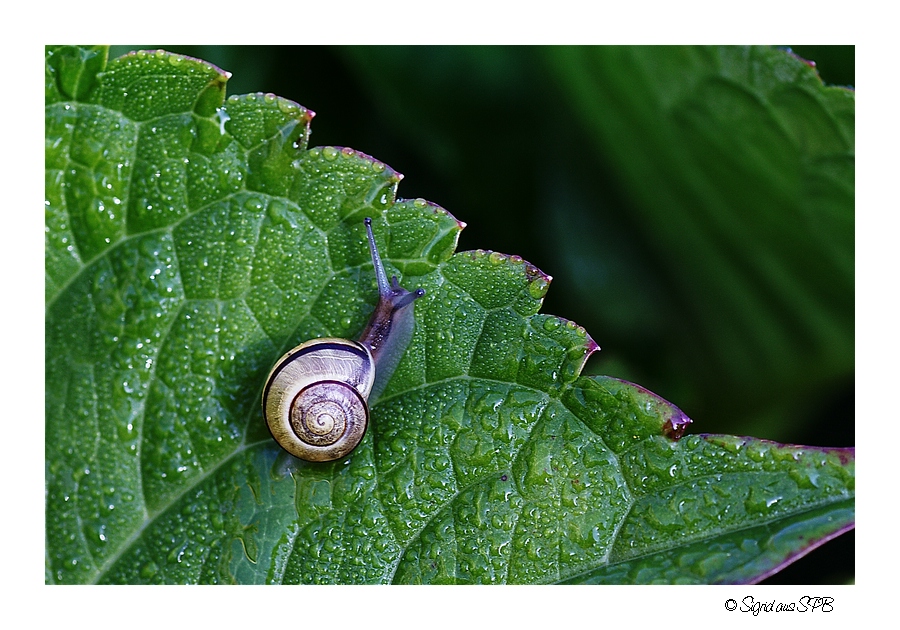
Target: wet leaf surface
{"points": [[191, 240]]}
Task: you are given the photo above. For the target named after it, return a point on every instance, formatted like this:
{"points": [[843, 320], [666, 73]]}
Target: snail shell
{"points": [[316, 397]]}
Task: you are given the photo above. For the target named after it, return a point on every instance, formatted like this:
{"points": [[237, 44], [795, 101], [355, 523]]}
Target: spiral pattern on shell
{"points": [[315, 398], [328, 411]]}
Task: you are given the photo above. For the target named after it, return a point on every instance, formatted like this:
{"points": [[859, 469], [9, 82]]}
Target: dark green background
{"points": [[493, 135]]}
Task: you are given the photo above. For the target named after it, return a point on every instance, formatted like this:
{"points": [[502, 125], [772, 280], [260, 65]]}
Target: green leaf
{"points": [[708, 286], [191, 242], [740, 166]]}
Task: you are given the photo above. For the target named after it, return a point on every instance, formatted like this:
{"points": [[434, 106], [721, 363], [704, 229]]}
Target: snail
{"points": [[316, 397]]}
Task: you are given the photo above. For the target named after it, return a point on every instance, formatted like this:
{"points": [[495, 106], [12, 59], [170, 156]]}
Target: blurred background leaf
{"points": [[695, 205]]}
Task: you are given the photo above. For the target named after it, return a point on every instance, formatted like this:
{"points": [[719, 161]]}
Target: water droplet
{"points": [[287, 107], [149, 570], [760, 500], [805, 479], [223, 117], [537, 288]]}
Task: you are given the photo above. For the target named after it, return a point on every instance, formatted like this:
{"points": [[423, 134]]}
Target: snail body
{"points": [[316, 398]]}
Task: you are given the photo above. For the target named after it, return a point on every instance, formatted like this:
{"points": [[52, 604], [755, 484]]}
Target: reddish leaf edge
{"points": [[846, 455], [815, 544]]}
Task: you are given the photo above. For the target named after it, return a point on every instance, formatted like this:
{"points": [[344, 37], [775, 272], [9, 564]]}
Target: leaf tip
{"points": [[676, 425], [808, 62]]}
